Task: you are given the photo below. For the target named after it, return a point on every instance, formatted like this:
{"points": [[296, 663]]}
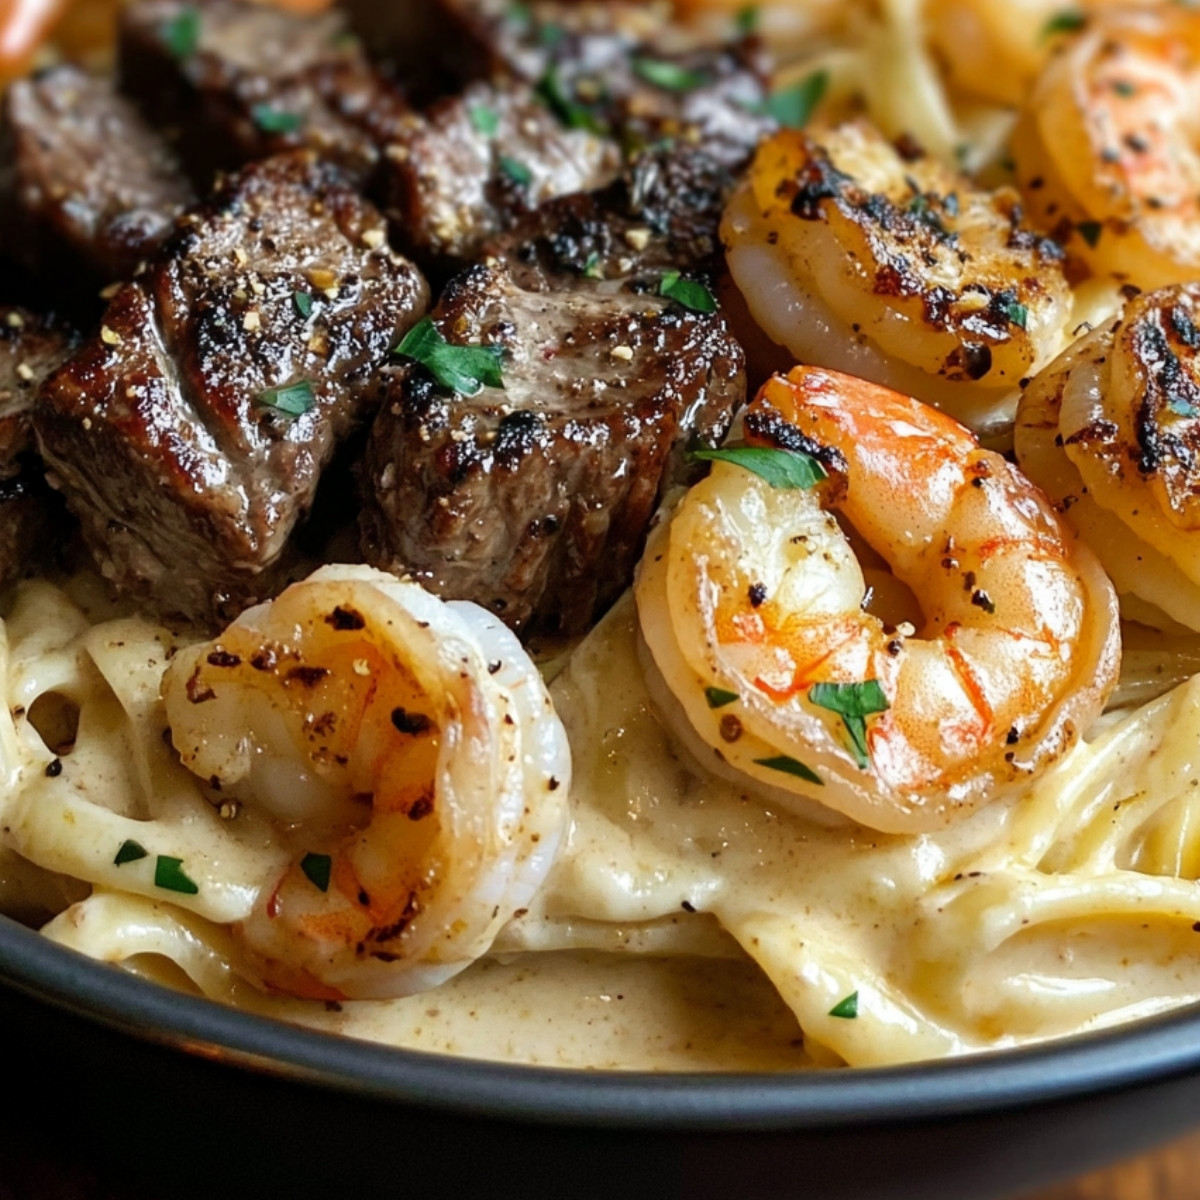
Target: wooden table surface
{"points": [[1172, 1173]]}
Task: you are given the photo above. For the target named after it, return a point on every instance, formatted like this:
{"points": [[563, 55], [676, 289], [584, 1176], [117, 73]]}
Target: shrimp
{"points": [[1106, 147], [884, 263], [1111, 431], [753, 608], [994, 49], [412, 761]]}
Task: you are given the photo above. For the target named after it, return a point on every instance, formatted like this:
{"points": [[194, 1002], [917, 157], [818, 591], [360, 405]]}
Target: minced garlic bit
{"points": [[362, 667], [25, 372], [373, 238], [110, 337], [624, 353], [639, 239], [251, 321], [14, 319]]}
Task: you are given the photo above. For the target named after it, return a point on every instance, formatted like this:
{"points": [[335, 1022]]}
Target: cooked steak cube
{"points": [[479, 161], [532, 499], [663, 212], [623, 68], [190, 434], [31, 347], [241, 81], [30, 515], [84, 181]]}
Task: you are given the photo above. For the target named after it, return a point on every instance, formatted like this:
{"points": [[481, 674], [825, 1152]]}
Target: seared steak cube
{"points": [[190, 434], [532, 499], [479, 161], [663, 212], [618, 67], [84, 181], [30, 348], [241, 81]]}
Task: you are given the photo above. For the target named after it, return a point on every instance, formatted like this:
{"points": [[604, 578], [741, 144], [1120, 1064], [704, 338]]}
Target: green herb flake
{"points": [[550, 34], [790, 766], [669, 76], [462, 369], [303, 303], [169, 875], [1018, 314], [719, 697], [275, 120], [130, 851], [1089, 231], [592, 269], [317, 869], [294, 400], [181, 34], [780, 468], [1067, 21], [853, 702], [746, 20], [565, 105], [516, 170], [1124, 88], [846, 1009], [793, 106], [520, 14], [693, 296], [484, 120]]}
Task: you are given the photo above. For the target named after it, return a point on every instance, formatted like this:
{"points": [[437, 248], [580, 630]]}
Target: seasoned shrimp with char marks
{"points": [[754, 609], [1111, 431], [882, 262], [1107, 147], [412, 761]]}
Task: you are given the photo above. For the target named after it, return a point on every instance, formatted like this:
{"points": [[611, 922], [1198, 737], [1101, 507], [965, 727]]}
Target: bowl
{"points": [[175, 1095]]}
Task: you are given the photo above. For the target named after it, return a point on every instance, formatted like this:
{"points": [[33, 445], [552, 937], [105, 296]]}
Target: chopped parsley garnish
{"points": [[790, 766], [592, 268], [130, 851], [169, 875], [462, 369], [746, 19], [1124, 88], [293, 400], [1018, 314], [303, 303], [516, 170], [793, 106], [853, 702], [550, 34], [484, 120], [669, 76], [719, 697], [565, 104], [692, 295], [1089, 231], [780, 468], [1067, 21], [317, 869], [521, 13], [275, 120], [847, 1009], [181, 33]]}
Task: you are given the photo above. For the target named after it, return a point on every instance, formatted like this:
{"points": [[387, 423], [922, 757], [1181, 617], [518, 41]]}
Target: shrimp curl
{"points": [[412, 761], [1111, 431], [753, 606]]}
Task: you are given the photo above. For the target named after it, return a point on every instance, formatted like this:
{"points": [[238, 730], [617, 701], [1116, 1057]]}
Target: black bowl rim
{"points": [[1136, 1054]]}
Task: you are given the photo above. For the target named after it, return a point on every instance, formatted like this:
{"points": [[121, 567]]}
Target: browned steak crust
{"points": [[533, 499], [478, 162], [168, 432], [239, 81], [84, 181]]}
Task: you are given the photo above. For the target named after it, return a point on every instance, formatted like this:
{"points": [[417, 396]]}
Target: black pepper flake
{"points": [[54, 768], [222, 658], [731, 728], [494, 667], [1013, 736], [345, 620], [688, 906], [553, 784], [981, 599], [308, 676], [412, 723], [757, 593]]}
